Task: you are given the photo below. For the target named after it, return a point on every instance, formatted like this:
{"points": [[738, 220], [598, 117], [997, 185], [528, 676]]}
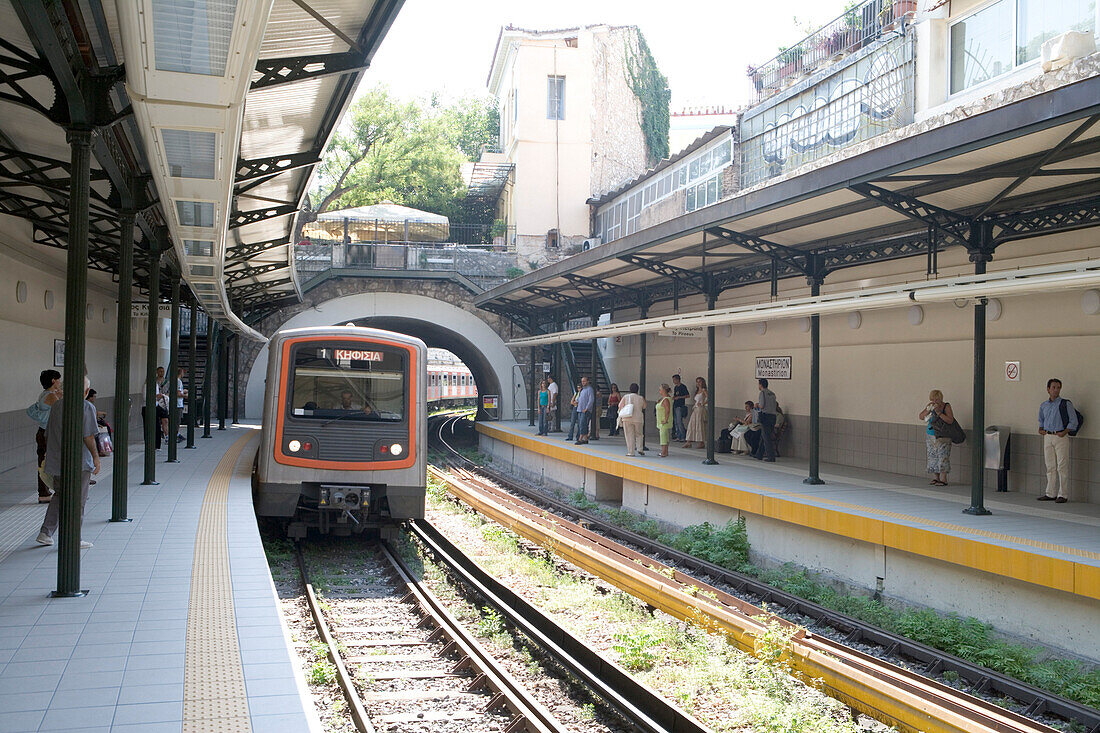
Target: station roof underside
{"points": [[305, 75], [1024, 169]]}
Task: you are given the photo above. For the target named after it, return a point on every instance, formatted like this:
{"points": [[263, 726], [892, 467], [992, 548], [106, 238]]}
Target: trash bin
{"points": [[997, 453]]}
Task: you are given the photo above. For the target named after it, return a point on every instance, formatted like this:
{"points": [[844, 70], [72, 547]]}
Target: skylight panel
{"points": [[193, 36]]}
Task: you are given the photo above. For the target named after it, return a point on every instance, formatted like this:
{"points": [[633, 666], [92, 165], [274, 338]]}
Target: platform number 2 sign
{"points": [[1012, 371]]}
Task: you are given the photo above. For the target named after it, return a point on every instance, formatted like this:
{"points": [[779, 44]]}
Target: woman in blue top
{"points": [[51, 393], [939, 449], [544, 407]]}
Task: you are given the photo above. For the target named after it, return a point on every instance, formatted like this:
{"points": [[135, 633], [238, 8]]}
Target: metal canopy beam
{"points": [[243, 273], [299, 68], [28, 70], [272, 165], [1064, 218], [948, 223], [244, 251], [690, 278], [244, 218], [789, 255]]}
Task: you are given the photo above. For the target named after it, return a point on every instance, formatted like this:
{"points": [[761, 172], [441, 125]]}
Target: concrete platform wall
{"points": [[1018, 609]]}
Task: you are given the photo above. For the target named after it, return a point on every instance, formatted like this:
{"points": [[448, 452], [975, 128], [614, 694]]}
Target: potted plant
{"points": [[791, 61], [497, 232]]}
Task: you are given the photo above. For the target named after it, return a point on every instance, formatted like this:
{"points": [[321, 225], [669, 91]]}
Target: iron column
{"points": [[816, 276], [72, 402], [981, 251], [152, 333], [193, 345], [172, 374], [212, 329], [236, 377], [223, 377], [121, 459]]}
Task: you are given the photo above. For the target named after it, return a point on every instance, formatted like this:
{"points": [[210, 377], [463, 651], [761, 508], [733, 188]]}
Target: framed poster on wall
{"points": [[59, 352]]}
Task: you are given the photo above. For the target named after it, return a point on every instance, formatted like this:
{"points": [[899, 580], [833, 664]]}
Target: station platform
{"points": [[1038, 560], [180, 630]]}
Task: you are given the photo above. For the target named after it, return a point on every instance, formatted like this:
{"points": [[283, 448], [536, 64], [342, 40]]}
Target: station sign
{"points": [[490, 404], [141, 310], [773, 367], [356, 355], [691, 333]]}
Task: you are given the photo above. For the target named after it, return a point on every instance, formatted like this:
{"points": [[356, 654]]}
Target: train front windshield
{"points": [[354, 382]]}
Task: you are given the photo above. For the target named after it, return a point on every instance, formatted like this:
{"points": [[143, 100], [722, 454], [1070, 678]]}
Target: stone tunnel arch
{"points": [[437, 322]]}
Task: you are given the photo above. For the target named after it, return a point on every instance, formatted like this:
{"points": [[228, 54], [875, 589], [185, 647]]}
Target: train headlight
{"points": [[396, 449], [294, 446]]}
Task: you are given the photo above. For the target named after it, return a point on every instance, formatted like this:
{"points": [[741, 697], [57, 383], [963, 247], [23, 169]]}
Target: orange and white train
{"points": [[449, 383]]}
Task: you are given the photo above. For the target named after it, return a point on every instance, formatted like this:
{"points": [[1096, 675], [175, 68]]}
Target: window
{"points": [[1001, 36], [555, 97], [349, 381]]}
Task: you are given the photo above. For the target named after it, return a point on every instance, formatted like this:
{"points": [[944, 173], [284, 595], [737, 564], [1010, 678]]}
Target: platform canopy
{"points": [[971, 178], [209, 120]]}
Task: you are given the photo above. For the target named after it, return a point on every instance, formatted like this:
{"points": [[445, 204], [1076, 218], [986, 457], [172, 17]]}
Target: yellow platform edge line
{"points": [[214, 689], [1050, 572]]}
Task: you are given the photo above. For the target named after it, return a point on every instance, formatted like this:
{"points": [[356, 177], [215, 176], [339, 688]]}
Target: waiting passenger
{"points": [[89, 463], [544, 406], [594, 422], [697, 423], [745, 435], [937, 413], [1057, 421], [613, 410], [631, 417], [574, 419], [767, 410], [40, 413], [664, 418]]}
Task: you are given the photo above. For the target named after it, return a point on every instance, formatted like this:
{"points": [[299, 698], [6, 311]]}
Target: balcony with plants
{"points": [[862, 23]]}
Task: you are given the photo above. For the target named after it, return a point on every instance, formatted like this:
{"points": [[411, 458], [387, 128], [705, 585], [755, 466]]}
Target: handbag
{"points": [[103, 444], [39, 414], [626, 410], [950, 430]]}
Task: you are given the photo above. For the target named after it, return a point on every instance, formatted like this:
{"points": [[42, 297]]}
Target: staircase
{"points": [[201, 349], [578, 363]]}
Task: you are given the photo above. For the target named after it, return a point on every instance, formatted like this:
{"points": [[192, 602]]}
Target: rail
{"points": [[527, 713], [477, 264], [1034, 700]]}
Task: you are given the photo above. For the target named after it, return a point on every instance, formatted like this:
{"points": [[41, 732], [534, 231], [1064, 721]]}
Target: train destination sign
{"points": [[773, 367], [356, 355]]}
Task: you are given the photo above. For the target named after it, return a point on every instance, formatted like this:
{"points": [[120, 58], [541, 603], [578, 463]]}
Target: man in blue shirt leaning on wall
{"points": [[1057, 420]]}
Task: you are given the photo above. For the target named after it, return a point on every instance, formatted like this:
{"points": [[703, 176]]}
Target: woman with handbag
{"points": [[631, 417], [938, 414]]}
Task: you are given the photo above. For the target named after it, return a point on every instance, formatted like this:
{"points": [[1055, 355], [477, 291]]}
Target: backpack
{"points": [[1063, 410]]}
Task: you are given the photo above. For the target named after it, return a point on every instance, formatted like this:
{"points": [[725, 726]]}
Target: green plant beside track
{"points": [[967, 638]]}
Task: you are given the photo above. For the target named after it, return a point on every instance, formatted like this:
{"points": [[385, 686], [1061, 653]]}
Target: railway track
{"points": [[888, 692], [409, 663]]}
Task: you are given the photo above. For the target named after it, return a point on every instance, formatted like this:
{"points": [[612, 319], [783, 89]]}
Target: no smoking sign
{"points": [[1012, 371]]}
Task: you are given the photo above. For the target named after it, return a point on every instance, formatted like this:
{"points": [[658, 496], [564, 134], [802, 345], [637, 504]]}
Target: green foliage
{"points": [[407, 152], [651, 88], [322, 673], [513, 272], [491, 623], [634, 649], [727, 546]]}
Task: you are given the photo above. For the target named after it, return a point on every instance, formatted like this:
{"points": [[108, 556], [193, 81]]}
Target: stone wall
{"points": [[618, 145]]}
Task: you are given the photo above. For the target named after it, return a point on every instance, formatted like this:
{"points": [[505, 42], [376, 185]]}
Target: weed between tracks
{"points": [[967, 638], [698, 669]]}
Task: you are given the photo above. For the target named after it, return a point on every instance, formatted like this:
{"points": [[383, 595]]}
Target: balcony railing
{"points": [[409, 232], [485, 267], [849, 32]]}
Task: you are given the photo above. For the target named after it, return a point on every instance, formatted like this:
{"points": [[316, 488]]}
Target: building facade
{"points": [[571, 125]]}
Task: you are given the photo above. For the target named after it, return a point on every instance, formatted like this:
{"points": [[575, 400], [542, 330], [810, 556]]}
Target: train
{"points": [[344, 439], [450, 382]]}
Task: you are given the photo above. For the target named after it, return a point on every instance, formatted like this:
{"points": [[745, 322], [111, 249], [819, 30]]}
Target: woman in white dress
{"points": [[697, 423]]}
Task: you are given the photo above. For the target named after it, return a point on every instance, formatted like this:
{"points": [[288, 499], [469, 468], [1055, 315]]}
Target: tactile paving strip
{"points": [[213, 687]]}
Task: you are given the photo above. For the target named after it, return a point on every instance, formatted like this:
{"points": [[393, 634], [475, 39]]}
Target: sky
{"points": [[702, 47]]}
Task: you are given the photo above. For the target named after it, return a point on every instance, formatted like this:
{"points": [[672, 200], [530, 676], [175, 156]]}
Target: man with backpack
{"points": [[1058, 420]]}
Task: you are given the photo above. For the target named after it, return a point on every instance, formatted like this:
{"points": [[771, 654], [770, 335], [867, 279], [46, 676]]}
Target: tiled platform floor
{"points": [[114, 660]]}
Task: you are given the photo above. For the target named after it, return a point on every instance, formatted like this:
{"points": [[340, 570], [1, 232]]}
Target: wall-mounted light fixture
{"points": [[916, 315]]}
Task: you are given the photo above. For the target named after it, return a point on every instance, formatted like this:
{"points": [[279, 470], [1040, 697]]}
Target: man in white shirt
{"points": [[552, 388]]}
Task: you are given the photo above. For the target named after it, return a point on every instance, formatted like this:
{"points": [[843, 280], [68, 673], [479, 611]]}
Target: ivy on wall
{"points": [[651, 88]]}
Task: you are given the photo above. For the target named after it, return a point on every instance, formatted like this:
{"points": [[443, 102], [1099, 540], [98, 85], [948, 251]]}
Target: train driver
{"points": [[346, 402]]}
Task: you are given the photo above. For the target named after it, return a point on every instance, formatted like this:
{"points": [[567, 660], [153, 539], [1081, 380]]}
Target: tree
{"points": [[410, 153]]}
